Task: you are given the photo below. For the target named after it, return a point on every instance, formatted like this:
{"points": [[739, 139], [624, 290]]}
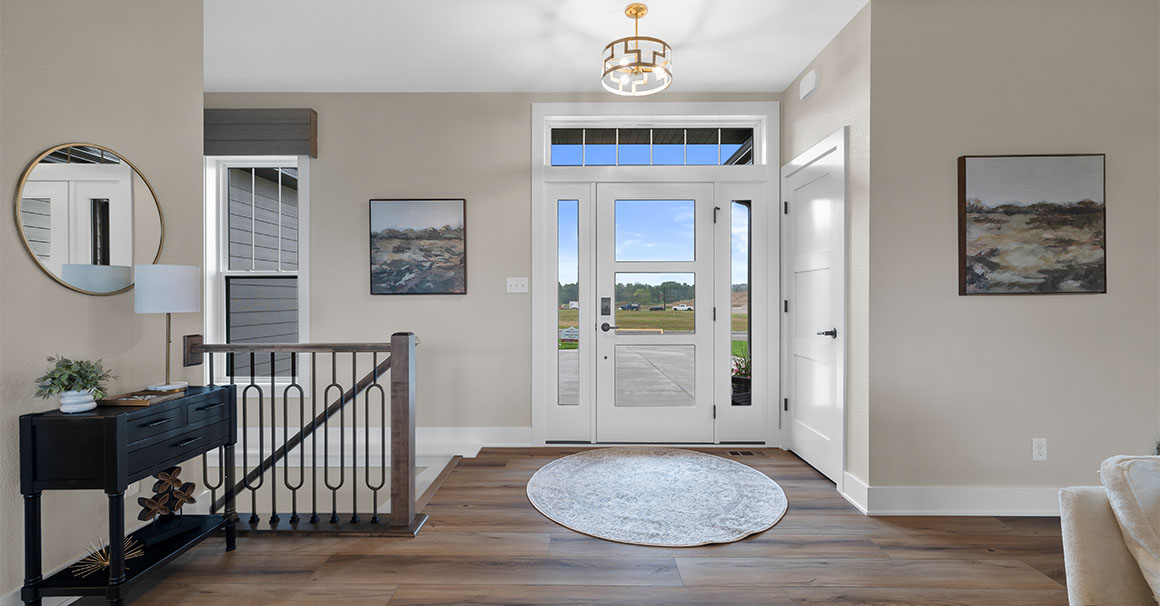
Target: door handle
{"points": [[607, 327], [832, 333]]}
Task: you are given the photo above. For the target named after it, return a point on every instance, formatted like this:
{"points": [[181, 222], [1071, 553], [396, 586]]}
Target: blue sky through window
{"points": [[664, 232]]}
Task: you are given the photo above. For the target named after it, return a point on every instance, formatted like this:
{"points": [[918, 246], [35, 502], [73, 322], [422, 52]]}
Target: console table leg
{"points": [[116, 547], [32, 557], [231, 512]]}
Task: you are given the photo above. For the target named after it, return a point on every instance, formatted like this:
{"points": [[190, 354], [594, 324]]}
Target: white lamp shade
{"points": [[161, 289]]}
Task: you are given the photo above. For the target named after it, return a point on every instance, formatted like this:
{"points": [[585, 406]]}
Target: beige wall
{"points": [[475, 359], [960, 385], [141, 95], [842, 98]]}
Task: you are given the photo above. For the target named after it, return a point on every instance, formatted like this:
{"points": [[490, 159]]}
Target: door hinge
{"points": [[714, 411], [786, 207], [786, 405], [715, 209], [785, 305]]}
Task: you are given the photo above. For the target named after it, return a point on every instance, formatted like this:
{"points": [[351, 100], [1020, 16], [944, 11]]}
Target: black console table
{"points": [[109, 448]]}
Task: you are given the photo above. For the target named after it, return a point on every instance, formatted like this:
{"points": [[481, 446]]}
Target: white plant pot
{"points": [[77, 401]]}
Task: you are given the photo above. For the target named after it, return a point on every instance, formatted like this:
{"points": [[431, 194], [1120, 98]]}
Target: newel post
{"points": [[403, 430]]}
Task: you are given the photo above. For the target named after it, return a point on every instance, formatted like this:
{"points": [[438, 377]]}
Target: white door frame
{"points": [[758, 182], [837, 143]]}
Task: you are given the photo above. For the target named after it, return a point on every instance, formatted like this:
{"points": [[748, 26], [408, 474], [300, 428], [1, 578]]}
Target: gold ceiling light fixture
{"points": [[637, 65]]}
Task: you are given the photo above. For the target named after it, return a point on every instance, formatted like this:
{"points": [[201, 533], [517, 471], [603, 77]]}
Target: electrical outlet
{"points": [[1038, 449], [517, 285]]}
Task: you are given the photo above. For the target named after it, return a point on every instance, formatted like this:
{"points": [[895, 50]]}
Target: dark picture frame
{"points": [[1032, 224], [418, 246]]}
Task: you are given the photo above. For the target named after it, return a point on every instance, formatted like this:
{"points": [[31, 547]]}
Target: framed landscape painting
{"points": [[1032, 224], [418, 247]]}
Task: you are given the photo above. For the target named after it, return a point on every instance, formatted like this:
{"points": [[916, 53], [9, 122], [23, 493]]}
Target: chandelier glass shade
{"points": [[637, 65]]}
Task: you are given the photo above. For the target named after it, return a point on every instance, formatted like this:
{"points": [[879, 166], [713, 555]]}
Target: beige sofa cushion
{"points": [[1133, 486], [1100, 569]]}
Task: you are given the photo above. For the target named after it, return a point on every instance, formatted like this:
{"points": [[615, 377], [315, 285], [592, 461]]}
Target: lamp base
{"points": [[168, 387]]}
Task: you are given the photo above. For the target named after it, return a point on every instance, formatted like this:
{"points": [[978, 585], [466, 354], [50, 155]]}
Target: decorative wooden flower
{"points": [[150, 508], [182, 495], [167, 479]]}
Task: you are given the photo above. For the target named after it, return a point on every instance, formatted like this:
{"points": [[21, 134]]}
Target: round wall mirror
{"points": [[87, 216]]}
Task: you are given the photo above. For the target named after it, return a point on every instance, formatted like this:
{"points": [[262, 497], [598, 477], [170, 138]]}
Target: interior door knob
{"points": [[832, 333], [607, 327]]}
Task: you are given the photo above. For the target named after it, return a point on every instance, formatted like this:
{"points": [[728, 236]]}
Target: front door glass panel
{"points": [[655, 375], [655, 230]]}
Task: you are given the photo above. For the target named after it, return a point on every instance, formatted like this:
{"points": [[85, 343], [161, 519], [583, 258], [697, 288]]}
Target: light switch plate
{"points": [[517, 285]]}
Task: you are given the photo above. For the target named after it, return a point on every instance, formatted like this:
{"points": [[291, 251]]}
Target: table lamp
{"points": [[167, 289]]}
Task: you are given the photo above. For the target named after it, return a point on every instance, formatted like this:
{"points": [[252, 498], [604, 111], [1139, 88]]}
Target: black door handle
{"points": [[832, 333], [607, 327]]}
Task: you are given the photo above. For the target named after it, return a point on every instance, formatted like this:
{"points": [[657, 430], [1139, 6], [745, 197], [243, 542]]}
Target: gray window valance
{"points": [[261, 132]]}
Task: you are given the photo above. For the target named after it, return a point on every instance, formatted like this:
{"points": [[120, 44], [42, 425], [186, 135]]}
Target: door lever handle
{"points": [[832, 333], [607, 327]]}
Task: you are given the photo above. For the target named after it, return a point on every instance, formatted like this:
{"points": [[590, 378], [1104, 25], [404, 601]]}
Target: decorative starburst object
{"points": [[98, 560]]}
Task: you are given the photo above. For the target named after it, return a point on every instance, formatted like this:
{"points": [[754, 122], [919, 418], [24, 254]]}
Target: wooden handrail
{"points": [[291, 348]]}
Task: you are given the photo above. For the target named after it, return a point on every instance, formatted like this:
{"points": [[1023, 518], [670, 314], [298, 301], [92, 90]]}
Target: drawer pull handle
{"points": [[210, 407], [184, 443], [158, 422]]}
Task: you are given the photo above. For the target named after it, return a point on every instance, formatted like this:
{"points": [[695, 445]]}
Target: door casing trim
{"points": [[765, 117]]}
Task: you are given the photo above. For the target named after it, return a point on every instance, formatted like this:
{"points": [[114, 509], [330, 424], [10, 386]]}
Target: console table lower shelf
{"points": [[161, 541]]}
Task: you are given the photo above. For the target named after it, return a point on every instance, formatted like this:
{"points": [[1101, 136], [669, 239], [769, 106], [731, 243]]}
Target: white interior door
{"points": [[814, 187], [654, 317]]}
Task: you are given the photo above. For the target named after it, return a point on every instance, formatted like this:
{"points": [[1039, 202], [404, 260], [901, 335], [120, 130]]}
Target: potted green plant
{"points": [[742, 376], [78, 383]]}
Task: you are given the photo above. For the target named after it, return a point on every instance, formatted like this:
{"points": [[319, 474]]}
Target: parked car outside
{"points": [[682, 307], [657, 308], [630, 307]]}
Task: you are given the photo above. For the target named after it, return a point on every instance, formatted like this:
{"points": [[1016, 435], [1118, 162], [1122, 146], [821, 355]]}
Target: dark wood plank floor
{"points": [[486, 545]]}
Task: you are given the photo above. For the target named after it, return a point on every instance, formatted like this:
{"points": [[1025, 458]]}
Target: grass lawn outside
{"points": [[668, 320]]}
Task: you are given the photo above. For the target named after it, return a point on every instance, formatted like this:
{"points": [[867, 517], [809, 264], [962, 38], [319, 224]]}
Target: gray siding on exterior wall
{"points": [[262, 310], [36, 217], [259, 218]]}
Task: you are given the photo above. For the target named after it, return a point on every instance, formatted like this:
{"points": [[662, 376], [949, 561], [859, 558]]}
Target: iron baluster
{"points": [[286, 438], [375, 488], [341, 439], [274, 518], [254, 519], [354, 519], [313, 437]]}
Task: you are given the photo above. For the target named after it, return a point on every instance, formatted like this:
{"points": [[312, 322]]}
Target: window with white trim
{"points": [[255, 256]]}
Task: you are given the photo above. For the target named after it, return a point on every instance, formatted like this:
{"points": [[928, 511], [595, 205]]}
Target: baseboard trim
{"points": [[960, 500], [855, 491]]}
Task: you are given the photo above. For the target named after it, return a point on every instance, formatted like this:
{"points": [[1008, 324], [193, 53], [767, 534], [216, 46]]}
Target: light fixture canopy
{"points": [[637, 65]]}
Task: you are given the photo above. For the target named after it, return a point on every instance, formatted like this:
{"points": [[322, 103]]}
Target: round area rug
{"points": [[666, 497]]}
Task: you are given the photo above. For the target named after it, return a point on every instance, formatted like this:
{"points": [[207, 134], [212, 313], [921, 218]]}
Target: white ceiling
{"points": [[505, 45]]}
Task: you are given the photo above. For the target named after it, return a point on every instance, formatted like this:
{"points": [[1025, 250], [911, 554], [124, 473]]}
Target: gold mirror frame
{"points": [[24, 237]]}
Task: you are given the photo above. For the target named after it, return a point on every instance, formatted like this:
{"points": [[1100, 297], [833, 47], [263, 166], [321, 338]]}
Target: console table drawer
{"points": [[204, 410], [141, 428], [146, 460]]}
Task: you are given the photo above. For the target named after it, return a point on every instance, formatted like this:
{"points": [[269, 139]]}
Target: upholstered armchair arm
{"points": [[1100, 569]]}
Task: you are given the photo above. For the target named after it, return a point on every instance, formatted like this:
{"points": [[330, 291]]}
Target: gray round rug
{"points": [[656, 496]]}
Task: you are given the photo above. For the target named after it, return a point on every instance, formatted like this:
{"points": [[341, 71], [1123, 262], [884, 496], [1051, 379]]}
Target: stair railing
{"points": [[256, 367]]}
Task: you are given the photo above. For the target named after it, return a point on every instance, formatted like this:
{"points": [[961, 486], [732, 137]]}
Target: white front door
{"points": [[814, 188], [654, 313]]}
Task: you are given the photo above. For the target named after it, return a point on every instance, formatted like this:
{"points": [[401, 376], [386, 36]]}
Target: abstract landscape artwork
{"points": [[418, 247], [1031, 224]]}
